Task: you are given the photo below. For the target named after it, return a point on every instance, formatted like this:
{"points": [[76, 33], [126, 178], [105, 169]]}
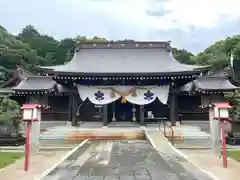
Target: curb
{"points": [[45, 173], [183, 155], [50, 148]]}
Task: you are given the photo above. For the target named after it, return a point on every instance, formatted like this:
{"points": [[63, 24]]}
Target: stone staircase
{"points": [[189, 137], [123, 125], [68, 135]]}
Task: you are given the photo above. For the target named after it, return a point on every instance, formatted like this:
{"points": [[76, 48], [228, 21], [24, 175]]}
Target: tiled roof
{"points": [[36, 83], [131, 58], [212, 83]]}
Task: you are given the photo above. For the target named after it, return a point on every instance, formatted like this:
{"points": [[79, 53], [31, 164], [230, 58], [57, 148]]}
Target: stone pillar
{"points": [[74, 109], [215, 132], [35, 135], [70, 107], [141, 108], [172, 109], [105, 118]]}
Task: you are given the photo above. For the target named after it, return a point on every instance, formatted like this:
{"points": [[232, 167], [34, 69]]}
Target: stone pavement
{"points": [[207, 160], [120, 160], [179, 163], [38, 164]]}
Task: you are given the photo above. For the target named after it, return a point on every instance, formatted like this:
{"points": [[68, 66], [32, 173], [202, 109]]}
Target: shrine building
{"points": [[122, 82]]}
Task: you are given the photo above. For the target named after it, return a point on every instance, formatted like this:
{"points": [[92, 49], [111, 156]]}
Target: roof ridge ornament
{"points": [[121, 44]]}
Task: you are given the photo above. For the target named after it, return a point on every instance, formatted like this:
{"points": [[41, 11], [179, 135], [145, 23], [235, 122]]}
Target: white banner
{"points": [[162, 93], [97, 95], [142, 96], [135, 95]]}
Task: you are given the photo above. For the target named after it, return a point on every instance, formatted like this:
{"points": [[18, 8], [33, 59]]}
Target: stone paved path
{"points": [[214, 164], [38, 164], [119, 160]]}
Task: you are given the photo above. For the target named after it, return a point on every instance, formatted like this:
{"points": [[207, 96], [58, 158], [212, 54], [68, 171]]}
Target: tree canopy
{"points": [[30, 48]]}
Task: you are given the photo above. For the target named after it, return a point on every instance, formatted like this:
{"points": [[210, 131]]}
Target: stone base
{"points": [[106, 134], [178, 123]]}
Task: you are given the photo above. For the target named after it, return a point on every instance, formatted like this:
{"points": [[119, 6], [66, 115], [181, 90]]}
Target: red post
{"points": [[224, 149], [27, 145], [223, 106]]}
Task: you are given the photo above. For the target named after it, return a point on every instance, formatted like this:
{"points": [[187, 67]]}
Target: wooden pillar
{"points": [[70, 107], [105, 116], [176, 107], [141, 108], [74, 109], [172, 110]]}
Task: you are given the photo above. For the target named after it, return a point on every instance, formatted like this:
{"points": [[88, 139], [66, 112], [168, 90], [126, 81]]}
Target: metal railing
{"points": [[165, 125]]}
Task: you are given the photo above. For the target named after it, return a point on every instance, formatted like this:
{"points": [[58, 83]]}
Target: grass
{"points": [[234, 155], [7, 158]]}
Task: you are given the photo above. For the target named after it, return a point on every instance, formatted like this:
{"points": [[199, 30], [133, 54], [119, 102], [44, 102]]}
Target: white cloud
{"points": [[187, 23], [179, 13], [202, 13]]}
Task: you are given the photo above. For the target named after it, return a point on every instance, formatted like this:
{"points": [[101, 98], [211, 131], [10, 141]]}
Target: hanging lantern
{"points": [[134, 114], [134, 118], [123, 100]]}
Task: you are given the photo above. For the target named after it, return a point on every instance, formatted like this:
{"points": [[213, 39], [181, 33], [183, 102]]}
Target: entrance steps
{"points": [[185, 136], [189, 137], [123, 125], [69, 135]]}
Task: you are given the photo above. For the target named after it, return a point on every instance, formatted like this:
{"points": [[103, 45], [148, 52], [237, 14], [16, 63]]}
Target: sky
{"points": [[188, 24]]}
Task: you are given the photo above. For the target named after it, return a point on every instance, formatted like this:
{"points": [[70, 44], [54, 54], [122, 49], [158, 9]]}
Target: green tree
{"points": [[9, 109], [28, 32], [216, 55], [65, 50], [183, 56], [31, 47], [234, 98], [44, 46], [14, 52]]}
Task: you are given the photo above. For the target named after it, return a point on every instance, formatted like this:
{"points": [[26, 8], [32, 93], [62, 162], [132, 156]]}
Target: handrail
{"points": [[164, 130]]}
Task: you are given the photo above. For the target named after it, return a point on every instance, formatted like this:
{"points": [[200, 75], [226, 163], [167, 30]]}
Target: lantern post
{"points": [[30, 116], [220, 115]]}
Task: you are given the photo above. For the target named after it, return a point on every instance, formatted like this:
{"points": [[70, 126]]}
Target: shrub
{"points": [[9, 111]]}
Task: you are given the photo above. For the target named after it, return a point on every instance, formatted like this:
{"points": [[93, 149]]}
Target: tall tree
{"points": [[28, 32], [65, 51], [183, 56], [44, 45], [14, 52]]}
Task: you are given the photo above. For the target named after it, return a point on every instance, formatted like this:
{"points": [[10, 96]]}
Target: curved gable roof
{"points": [[210, 83], [129, 58], [36, 83]]}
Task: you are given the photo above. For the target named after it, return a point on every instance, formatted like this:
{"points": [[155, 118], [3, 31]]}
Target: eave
{"points": [[167, 74]]}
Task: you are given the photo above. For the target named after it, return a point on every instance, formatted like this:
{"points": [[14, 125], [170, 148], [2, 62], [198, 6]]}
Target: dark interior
{"points": [[123, 111]]}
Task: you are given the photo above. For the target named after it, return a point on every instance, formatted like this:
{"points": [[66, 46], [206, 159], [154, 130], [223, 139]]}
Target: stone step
{"points": [[194, 144]]}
